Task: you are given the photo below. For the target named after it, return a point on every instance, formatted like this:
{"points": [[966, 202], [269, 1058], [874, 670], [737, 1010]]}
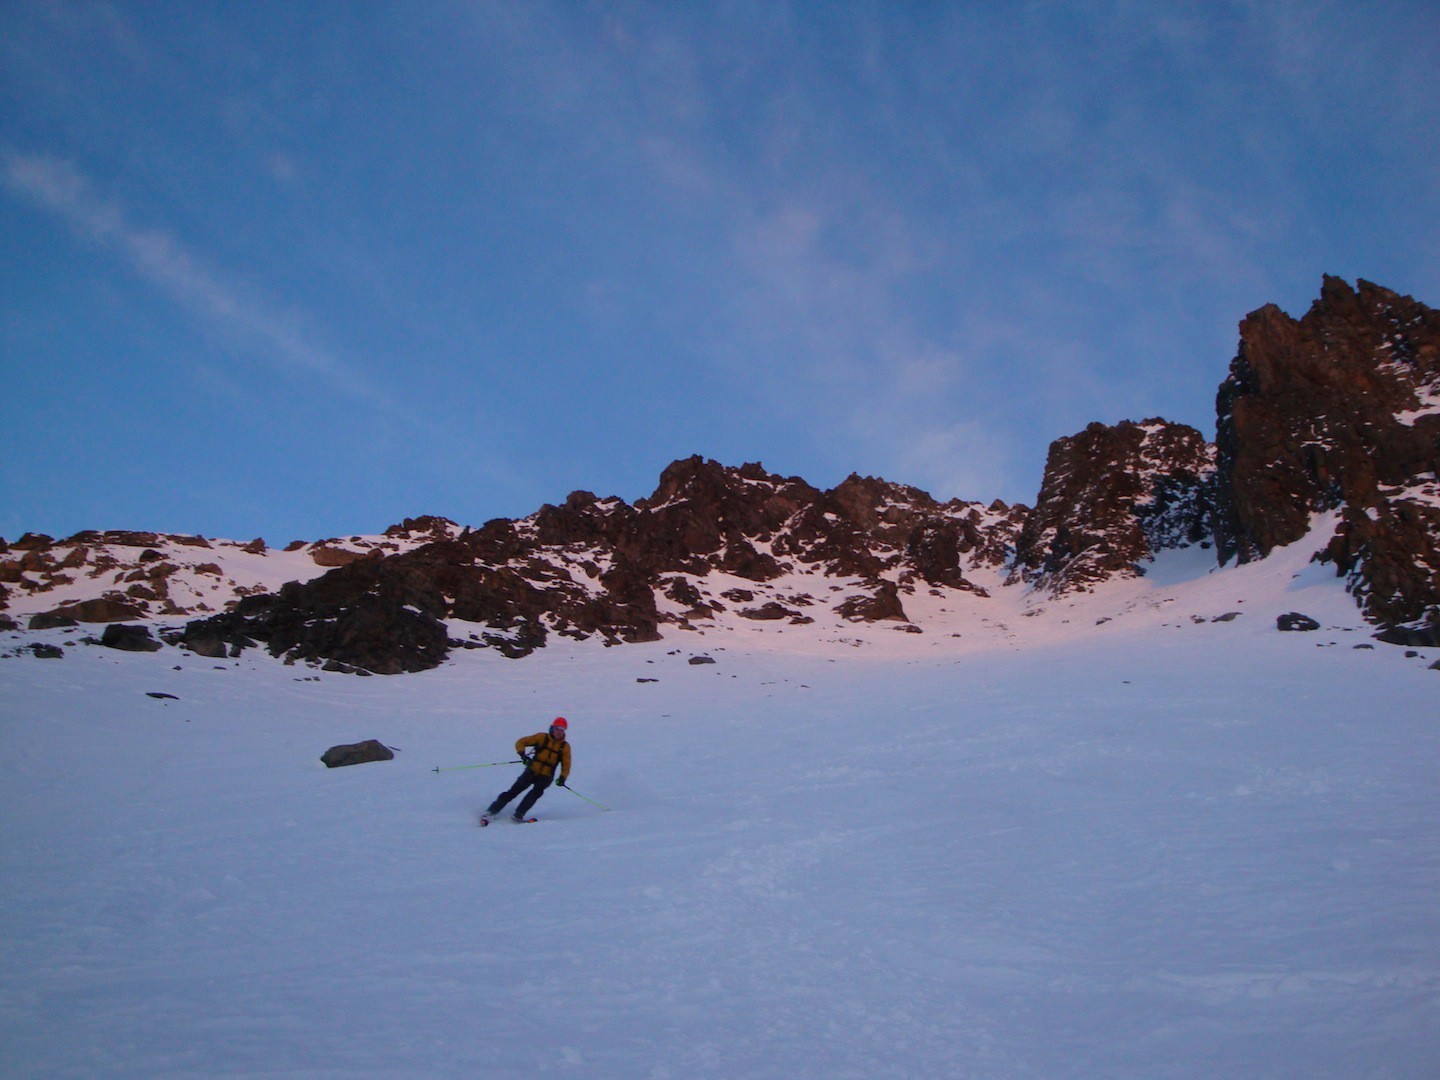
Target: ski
{"points": [[485, 820]]}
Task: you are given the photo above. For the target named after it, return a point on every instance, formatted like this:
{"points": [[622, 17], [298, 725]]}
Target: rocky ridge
{"points": [[1339, 410], [1334, 416], [117, 576], [710, 540]]}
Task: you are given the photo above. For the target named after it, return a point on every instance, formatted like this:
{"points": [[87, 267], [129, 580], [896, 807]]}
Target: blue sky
{"points": [[304, 269]]}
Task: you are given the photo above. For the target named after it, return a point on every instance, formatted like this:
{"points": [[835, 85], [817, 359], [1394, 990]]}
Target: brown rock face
{"points": [[596, 566], [1113, 496], [103, 610], [884, 604], [325, 555], [1339, 410]]}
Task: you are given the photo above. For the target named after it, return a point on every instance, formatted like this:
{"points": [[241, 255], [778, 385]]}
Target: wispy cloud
{"points": [[808, 264], [163, 261]]}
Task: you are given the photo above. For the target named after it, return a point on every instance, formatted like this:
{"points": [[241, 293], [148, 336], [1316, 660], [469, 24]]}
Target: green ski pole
{"points": [[577, 794], [485, 765]]}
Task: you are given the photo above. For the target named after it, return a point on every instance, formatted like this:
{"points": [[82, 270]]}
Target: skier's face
{"points": [[557, 733]]}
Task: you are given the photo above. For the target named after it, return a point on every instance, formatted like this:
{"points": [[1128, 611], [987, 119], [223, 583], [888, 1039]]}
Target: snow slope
{"points": [[1161, 848]]}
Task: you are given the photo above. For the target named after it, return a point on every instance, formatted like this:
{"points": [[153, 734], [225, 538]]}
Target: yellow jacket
{"points": [[548, 753]]}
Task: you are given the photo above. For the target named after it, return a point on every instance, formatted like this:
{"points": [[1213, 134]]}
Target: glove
{"points": [[560, 781]]}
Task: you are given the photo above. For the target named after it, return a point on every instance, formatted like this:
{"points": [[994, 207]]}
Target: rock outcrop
{"points": [[98, 577], [1339, 411], [129, 638], [1113, 497], [602, 567], [337, 757]]}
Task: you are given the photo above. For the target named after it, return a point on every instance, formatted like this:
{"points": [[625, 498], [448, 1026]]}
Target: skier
{"points": [[552, 752]]}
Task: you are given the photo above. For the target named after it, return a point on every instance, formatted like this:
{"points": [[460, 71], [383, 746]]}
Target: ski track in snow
{"points": [[1166, 848]]}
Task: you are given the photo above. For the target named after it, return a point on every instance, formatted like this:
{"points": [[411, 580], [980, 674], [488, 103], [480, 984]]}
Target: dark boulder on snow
{"points": [[52, 620], [105, 609], [326, 555], [130, 639], [1293, 620], [881, 604], [356, 754], [770, 612]]}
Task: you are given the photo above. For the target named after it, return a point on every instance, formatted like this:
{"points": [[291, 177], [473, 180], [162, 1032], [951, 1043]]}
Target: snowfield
{"points": [[1160, 846]]}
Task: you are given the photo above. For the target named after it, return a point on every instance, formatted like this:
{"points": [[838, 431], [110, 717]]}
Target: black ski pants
{"points": [[534, 781]]}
